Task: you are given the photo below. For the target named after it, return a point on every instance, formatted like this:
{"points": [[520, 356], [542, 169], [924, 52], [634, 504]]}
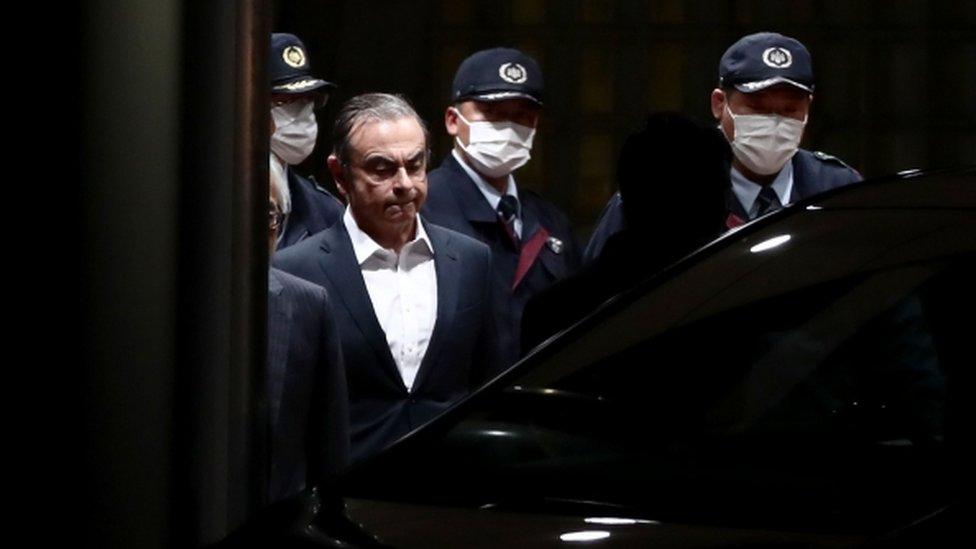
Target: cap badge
{"points": [[513, 73], [294, 56], [778, 58]]}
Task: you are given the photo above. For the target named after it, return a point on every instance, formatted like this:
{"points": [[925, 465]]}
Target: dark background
{"points": [[142, 241], [896, 79]]}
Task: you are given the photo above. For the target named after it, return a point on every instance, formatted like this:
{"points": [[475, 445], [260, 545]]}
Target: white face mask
{"points": [[295, 131], [764, 143], [497, 148]]}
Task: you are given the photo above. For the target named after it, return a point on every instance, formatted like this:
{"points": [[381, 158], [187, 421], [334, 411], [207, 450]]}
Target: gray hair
{"points": [[278, 184], [370, 106]]}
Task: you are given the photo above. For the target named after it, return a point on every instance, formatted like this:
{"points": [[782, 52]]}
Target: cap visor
{"points": [[302, 85], [501, 96], [751, 87]]}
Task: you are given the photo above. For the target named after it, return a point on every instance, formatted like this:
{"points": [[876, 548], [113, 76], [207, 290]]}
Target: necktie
{"points": [[767, 201], [507, 210]]}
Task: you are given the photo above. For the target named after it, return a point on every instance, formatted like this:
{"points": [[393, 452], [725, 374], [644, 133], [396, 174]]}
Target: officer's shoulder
{"points": [[439, 179], [319, 188], [830, 160]]}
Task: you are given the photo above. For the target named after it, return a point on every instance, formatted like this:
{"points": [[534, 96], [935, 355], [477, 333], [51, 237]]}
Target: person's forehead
{"points": [[401, 136]]}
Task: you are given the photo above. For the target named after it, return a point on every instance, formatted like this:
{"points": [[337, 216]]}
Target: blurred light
{"points": [[585, 535], [771, 243], [617, 520], [910, 172], [497, 433], [813, 208], [549, 391]]}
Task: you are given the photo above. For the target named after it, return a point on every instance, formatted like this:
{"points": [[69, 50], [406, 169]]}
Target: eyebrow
{"points": [[383, 155]]}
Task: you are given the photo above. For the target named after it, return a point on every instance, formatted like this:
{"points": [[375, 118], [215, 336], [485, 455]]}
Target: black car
{"points": [[803, 381]]}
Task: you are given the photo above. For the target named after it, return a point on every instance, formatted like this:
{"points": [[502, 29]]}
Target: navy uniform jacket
{"points": [[813, 173], [308, 411], [548, 248], [313, 209], [462, 353]]}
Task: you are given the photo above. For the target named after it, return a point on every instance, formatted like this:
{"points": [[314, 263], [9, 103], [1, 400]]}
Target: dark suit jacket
{"points": [[463, 347], [813, 173], [454, 201], [313, 209], [306, 387]]}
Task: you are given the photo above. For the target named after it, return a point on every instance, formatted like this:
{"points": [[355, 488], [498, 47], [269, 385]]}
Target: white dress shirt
{"points": [[403, 290], [747, 191], [491, 193]]}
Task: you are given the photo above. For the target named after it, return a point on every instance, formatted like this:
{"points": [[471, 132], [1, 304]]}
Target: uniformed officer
{"points": [[762, 105], [295, 94], [496, 102]]}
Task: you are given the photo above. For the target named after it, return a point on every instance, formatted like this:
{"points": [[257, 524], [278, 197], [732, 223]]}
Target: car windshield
{"points": [[806, 382]]}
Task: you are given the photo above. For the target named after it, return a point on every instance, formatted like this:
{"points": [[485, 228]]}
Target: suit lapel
{"points": [[279, 334], [448, 269], [339, 264]]}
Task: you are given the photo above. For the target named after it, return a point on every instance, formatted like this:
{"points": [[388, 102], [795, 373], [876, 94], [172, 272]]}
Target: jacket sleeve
{"points": [[328, 444]]}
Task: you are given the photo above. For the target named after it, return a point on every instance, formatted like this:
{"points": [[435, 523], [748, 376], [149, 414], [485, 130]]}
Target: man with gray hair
{"points": [[413, 299], [305, 382]]}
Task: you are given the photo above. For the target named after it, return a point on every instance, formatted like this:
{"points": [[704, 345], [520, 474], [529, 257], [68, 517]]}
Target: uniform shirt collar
{"points": [[365, 247], [747, 191], [490, 193]]}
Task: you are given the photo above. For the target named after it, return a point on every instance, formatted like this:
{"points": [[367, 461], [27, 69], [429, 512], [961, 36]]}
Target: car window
{"points": [[824, 407]]}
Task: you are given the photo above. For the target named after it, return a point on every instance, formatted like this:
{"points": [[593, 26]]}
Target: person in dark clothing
{"points": [[762, 105], [295, 94], [673, 175]]}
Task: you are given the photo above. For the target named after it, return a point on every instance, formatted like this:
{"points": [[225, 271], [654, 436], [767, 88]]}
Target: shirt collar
{"points": [[747, 190], [365, 247], [490, 193]]}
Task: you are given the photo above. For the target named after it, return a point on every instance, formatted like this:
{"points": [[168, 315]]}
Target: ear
{"points": [[338, 175], [718, 103], [451, 120]]}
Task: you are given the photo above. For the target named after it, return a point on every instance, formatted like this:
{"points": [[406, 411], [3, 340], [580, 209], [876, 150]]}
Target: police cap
{"points": [[497, 74], [289, 70], [764, 59]]}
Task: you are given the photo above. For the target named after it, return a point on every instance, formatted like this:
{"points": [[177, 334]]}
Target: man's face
{"points": [[783, 100], [385, 180], [520, 111]]}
